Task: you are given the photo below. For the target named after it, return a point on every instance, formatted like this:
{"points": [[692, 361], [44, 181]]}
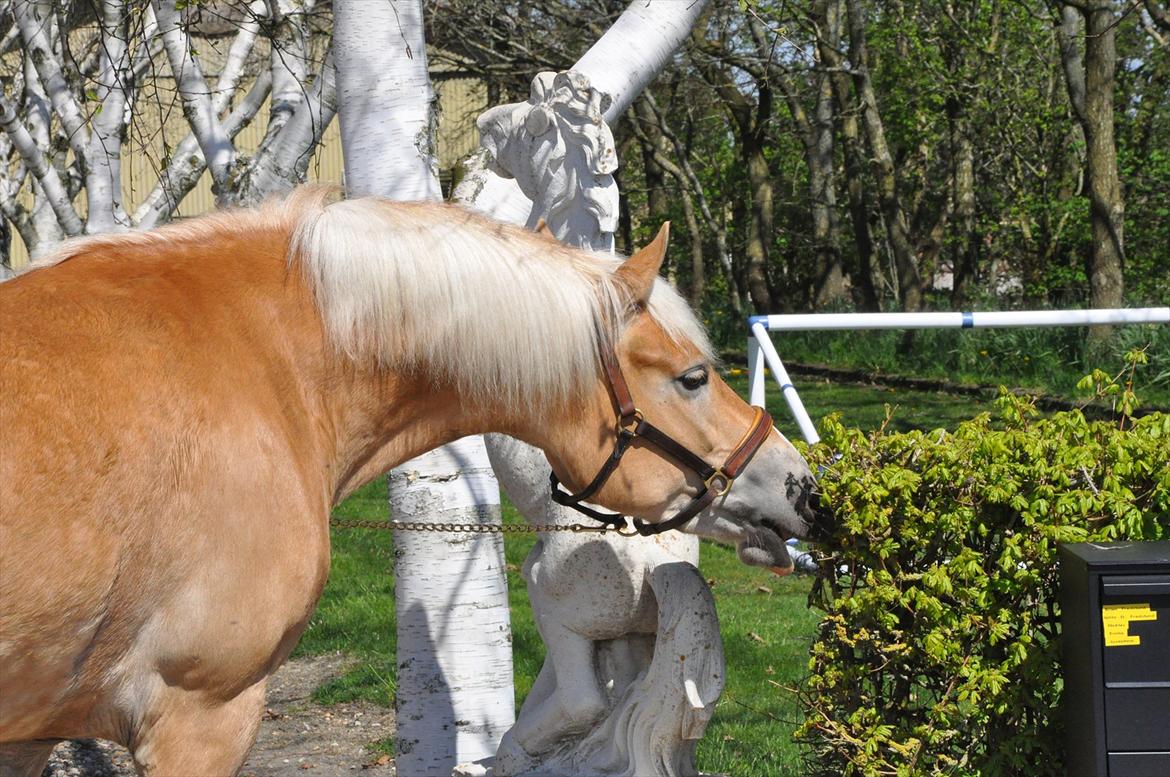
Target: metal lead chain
{"points": [[477, 528]]}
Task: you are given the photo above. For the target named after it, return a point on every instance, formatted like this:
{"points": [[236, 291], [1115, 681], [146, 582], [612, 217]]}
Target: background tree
{"points": [[454, 697]]}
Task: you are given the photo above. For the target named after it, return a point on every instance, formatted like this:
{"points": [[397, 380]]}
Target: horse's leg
{"points": [[189, 735], [26, 759]]}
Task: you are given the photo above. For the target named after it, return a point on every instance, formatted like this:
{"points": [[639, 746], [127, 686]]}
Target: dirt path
{"points": [[297, 736]]}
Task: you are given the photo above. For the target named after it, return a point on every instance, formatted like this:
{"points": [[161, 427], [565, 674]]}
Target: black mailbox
{"points": [[1115, 614]]}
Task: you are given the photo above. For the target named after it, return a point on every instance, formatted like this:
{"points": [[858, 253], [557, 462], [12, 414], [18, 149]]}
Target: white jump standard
{"points": [[760, 343]]}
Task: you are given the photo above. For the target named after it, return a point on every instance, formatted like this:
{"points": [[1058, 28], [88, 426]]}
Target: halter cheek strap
{"points": [[631, 425]]}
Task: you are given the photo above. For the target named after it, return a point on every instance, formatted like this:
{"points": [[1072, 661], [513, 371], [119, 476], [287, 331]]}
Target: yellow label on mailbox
{"points": [[1116, 619]]}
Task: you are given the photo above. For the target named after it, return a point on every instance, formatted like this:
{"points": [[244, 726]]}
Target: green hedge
{"points": [[940, 649]]}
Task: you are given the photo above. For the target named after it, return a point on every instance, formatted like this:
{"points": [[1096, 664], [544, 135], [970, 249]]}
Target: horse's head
{"points": [[694, 454]]}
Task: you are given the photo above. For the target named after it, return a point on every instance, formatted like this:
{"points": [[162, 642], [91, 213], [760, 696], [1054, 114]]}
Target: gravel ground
{"points": [[297, 737]]}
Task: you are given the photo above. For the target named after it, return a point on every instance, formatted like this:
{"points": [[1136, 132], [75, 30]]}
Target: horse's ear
{"points": [[638, 272], [543, 230]]}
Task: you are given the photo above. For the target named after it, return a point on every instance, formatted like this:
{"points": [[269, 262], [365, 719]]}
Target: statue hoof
{"points": [[511, 758]]}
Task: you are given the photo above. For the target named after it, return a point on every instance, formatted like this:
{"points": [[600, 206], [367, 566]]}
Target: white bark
{"points": [[217, 147], [387, 105], [10, 209], [55, 193], [103, 180], [281, 162], [648, 722], [638, 46], [287, 59], [187, 162], [115, 61], [35, 19], [47, 228], [455, 697]]}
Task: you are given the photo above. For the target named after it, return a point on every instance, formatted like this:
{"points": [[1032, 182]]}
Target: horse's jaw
{"points": [[773, 501]]}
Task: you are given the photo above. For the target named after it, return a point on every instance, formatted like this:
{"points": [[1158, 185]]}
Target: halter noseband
{"points": [[631, 425]]}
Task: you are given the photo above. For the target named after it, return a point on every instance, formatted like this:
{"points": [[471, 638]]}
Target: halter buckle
{"points": [[721, 476], [629, 424]]}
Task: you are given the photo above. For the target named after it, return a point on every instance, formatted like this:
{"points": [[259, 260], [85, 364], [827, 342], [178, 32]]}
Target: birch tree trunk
{"points": [[455, 696], [577, 210]]}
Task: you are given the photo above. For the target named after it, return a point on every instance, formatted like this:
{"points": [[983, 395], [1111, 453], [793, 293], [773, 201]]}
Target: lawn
{"points": [[766, 625]]}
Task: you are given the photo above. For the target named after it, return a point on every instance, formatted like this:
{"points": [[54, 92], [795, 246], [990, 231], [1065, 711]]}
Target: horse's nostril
{"points": [[820, 518]]}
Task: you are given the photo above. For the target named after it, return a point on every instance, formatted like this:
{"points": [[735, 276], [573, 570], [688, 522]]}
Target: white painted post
{"points": [[756, 375], [807, 429]]}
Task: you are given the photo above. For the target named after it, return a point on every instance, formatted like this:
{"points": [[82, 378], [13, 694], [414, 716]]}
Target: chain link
{"points": [[478, 528]]}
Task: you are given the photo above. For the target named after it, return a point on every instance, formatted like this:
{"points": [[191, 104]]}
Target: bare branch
{"points": [[685, 174], [187, 163], [103, 185], [281, 161], [34, 18], [45, 173], [217, 147], [287, 60], [1158, 15]]}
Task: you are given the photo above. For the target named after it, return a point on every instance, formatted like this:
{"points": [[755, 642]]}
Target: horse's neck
{"points": [[382, 418]]}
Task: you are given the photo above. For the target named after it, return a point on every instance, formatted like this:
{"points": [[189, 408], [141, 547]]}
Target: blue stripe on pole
{"points": [[786, 386], [968, 320], [753, 320]]}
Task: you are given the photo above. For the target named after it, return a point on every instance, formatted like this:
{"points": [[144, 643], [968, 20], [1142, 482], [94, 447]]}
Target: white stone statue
{"points": [[635, 659], [561, 154]]}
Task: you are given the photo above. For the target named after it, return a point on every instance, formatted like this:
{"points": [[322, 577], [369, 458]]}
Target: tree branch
{"points": [[685, 174], [44, 172], [281, 162], [103, 184], [34, 18], [1068, 33], [217, 147], [187, 163], [287, 61]]}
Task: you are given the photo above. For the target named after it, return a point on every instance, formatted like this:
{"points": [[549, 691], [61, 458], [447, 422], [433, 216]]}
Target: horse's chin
{"points": [[762, 548]]}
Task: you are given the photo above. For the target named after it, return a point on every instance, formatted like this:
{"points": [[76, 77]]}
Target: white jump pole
{"points": [[756, 375], [808, 430], [760, 343], [1013, 318]]}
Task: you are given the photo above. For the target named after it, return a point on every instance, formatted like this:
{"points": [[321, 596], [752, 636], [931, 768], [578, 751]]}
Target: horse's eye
{"points": [[694, 379]]}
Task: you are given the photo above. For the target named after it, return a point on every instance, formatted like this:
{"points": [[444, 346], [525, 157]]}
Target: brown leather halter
{"points": [[631, 425]]}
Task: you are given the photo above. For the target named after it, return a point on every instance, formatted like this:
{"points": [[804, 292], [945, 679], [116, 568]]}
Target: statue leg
{"points": [[575, 702]]}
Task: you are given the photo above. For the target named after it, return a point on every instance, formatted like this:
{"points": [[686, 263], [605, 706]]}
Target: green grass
{"points": [[767, 627], [864, 407]]}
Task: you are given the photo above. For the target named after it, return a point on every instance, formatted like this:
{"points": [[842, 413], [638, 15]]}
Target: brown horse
{"points": [[180, 410]]}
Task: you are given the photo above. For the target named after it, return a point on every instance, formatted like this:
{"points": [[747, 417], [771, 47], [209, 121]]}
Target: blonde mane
{"points": [[502, 313]]}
